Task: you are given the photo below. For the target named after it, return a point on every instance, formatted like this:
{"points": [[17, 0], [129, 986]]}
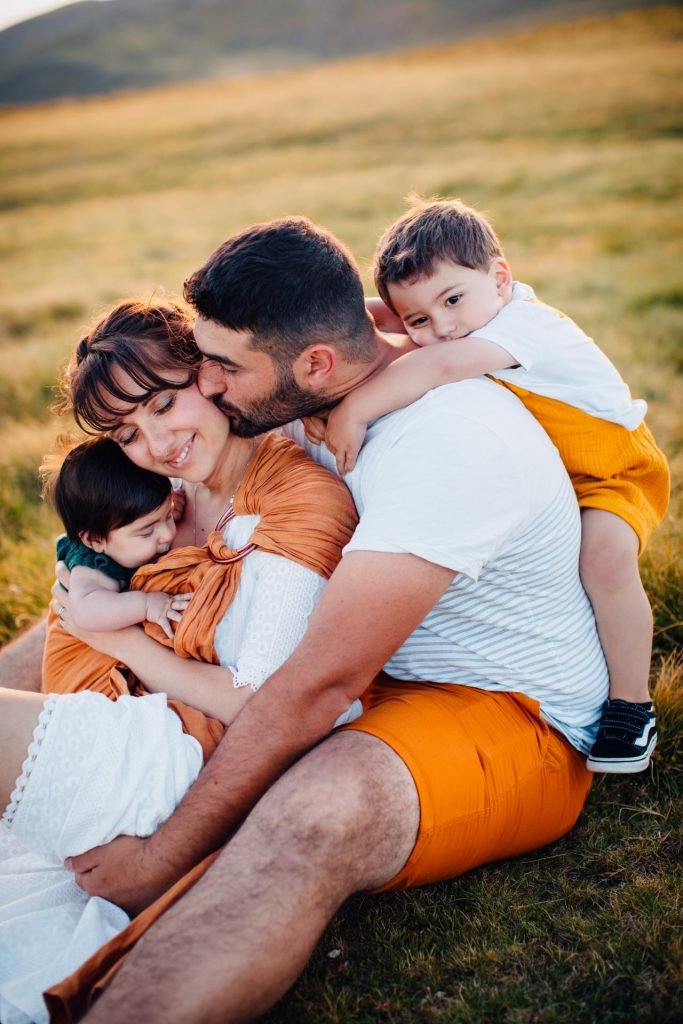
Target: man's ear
{"points": [[91, 542], [314, 367]]}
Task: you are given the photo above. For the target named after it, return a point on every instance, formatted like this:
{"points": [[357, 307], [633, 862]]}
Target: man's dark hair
{"points": [[288, 283], [97, 489], [428, 233]]}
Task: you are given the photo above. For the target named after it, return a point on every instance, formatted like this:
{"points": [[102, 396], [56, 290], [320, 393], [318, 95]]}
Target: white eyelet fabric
{"points": [[270, 613], [95, 769]]}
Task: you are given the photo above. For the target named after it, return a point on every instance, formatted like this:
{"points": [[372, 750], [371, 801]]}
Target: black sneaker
{"points": [[627, 735]]}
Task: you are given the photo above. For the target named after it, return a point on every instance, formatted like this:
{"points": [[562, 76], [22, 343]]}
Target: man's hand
{"points": [[125, 871]]}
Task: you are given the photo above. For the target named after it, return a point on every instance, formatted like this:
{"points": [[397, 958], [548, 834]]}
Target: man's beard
{"points": [[286, 402]]}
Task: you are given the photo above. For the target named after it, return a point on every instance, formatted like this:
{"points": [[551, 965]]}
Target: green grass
{"points": [[570, 138]]}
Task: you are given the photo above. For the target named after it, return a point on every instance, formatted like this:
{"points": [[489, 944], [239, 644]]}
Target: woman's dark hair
{"points": [[289, 283], [97, 489], [146, 343]]}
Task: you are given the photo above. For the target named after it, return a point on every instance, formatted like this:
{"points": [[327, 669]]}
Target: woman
{"points": [[96, 768]]}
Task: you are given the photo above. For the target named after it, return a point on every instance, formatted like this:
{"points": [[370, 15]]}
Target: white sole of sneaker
{"points": [[622, 766]]}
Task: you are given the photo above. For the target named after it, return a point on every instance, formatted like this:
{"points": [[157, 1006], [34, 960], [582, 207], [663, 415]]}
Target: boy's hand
{"points": [[179, 502], [385, 320], [314, 428], [344, 436], [166, 608]]}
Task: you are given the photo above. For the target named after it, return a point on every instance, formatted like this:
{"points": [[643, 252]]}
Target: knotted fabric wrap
{"points": [[306, 515], [298, 522]]}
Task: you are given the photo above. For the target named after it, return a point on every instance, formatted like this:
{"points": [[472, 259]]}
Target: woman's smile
{"points": [[182, 456]]}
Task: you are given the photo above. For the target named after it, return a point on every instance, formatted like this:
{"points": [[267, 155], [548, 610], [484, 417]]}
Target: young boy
{"points": [[117, 517], [441, 270]]}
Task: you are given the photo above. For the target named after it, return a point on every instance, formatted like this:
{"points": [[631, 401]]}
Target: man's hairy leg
{"points": [[21, 660], [342, 819]]}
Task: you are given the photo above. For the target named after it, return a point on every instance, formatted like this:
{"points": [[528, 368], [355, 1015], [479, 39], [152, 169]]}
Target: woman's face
{"points": [[175, 432]]}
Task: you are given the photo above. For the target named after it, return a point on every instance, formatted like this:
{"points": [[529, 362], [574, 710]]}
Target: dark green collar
{"points": [[74, 552]]}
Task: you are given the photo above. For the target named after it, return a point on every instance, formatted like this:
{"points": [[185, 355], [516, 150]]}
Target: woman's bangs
{"points": [[97, 403]]}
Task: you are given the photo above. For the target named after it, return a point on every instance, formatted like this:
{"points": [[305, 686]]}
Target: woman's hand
{"points": [[105, 642]]}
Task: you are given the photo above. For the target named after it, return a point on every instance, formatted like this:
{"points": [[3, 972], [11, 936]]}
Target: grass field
{"points": [[570, 138]]}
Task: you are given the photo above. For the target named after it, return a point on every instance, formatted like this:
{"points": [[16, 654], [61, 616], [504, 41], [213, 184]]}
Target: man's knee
{"points": [[350, 803]]}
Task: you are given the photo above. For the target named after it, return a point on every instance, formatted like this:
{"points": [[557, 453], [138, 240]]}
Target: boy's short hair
{"points": [[97, 489], [289, 283], [429, 232]]}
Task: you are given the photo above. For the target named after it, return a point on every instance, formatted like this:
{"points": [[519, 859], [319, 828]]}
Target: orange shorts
{"points": [[493, 779], [614, 469]]}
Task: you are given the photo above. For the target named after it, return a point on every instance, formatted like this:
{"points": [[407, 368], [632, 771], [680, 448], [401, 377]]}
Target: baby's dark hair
{"points": [[428, 233], [97, 489]]}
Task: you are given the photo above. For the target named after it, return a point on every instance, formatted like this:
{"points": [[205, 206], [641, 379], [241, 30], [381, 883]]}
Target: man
{"points": [[463, 571]]}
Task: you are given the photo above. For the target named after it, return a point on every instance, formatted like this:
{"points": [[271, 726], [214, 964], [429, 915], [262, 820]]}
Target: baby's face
{"points": [[452, 302], [144, 539]]}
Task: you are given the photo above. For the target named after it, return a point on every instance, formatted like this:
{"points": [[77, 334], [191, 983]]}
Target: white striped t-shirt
{"points": [[467, 478]]}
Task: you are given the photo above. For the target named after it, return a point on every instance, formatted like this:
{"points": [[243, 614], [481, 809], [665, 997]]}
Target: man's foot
{"points": [[627, 735]]}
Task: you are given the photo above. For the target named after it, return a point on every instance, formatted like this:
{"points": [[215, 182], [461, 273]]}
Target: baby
{"points": [[441, 270], [117, 517]]}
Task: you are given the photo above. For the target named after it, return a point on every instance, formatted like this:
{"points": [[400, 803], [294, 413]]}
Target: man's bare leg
{"points": [[21, 661], [343, 819]]}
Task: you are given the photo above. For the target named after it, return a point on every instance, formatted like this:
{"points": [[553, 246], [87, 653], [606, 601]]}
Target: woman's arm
{"points": [[404, 381]]}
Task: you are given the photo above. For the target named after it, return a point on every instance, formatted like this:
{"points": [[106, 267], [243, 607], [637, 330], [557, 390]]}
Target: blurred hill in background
{"points": [[90, 48]]}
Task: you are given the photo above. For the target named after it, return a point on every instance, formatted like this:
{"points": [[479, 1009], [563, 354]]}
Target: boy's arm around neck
{"points": [[362, 618], [404, 381], [413, 374]]}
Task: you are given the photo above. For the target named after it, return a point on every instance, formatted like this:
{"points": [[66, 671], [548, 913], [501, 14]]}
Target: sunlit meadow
{"points": [[570, 138]]}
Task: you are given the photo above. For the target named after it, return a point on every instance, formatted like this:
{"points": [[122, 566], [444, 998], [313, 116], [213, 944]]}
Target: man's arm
{"points": [[364, 615]]}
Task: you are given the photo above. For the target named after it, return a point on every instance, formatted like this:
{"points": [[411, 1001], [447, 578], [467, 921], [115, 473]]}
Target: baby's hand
{"points": [[314, 428], [166, 608], [179, 501], [344, 436]]}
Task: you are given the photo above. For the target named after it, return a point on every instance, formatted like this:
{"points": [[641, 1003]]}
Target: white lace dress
{"points": [[97, 769]]}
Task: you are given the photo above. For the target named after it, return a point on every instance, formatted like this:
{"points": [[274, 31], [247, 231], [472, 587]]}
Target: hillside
{"points": [[92, 48]]}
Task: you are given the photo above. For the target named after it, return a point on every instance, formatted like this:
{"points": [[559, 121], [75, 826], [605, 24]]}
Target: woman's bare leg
{"points": [[21, 661], [19, 713]]}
